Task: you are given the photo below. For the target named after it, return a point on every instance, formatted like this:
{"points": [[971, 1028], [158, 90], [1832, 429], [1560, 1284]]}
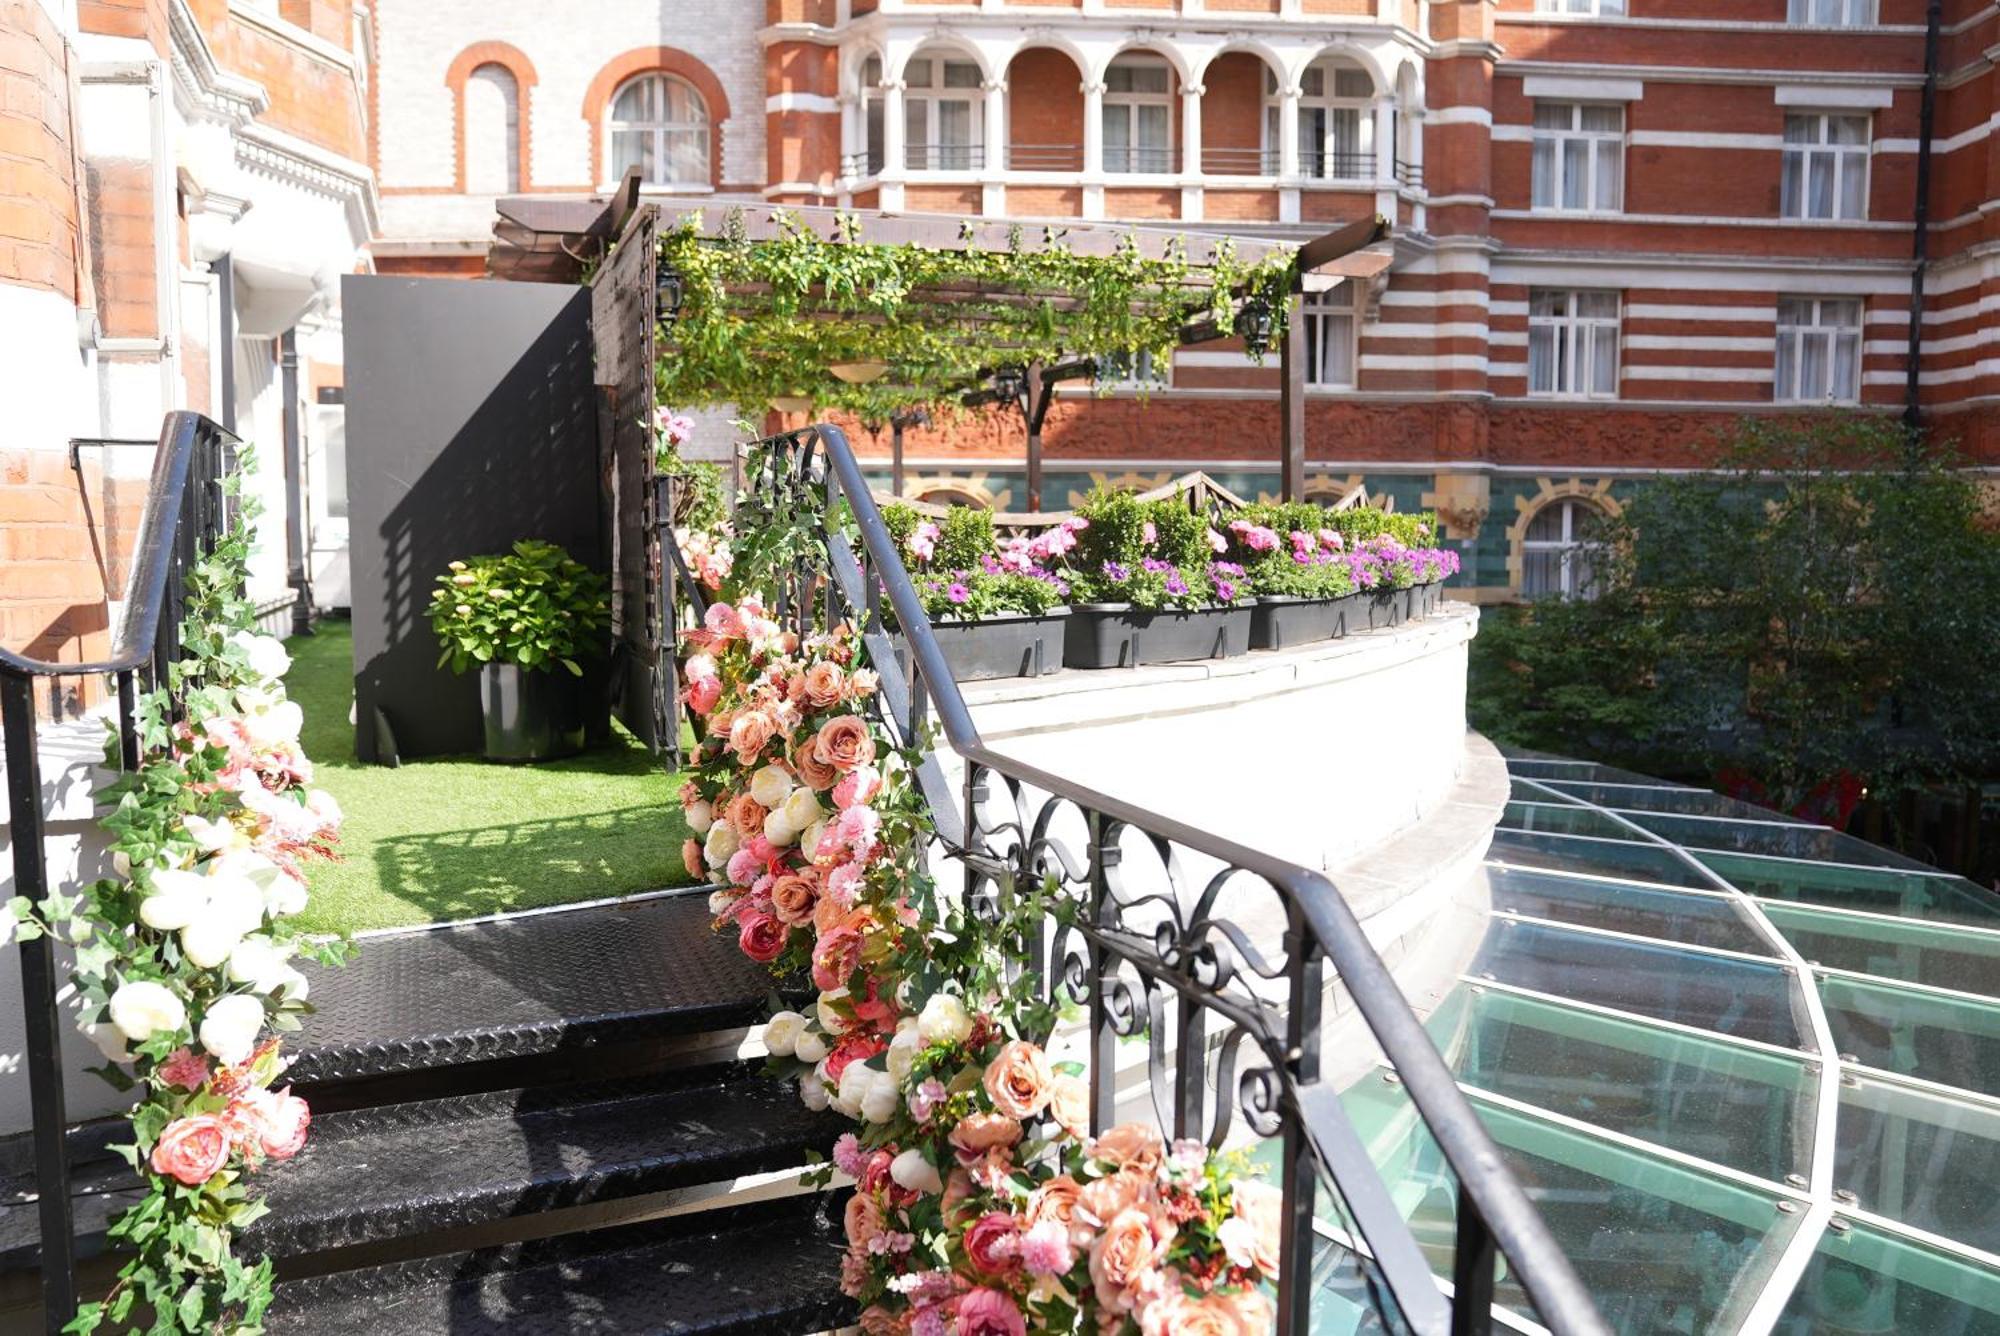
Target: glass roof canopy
{"points": [[1748, 1067]]}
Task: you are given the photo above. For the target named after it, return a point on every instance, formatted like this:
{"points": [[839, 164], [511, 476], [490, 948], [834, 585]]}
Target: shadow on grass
{"points": [[488, 869]]}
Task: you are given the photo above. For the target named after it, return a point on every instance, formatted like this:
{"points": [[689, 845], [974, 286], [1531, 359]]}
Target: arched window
{"points": [[1555, 562], [492, 131], [944, 121], [875, 136], [1336, 129], [659, 124], [1139, 115]]}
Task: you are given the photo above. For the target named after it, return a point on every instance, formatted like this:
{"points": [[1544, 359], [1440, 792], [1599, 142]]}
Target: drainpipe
{"points": [[225, 337], [1922, 213], [295, 517]]}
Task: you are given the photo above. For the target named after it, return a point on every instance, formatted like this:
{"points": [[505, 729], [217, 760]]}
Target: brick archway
{"points": [[652, 60], [515, 61]]}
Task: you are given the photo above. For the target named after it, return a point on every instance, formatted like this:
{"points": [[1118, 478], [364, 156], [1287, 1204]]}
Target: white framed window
{"points": [[1555, 560], [1139, 115], [1596, 7], [1579, 157], [1331, 337], [1831, 13], [1572, 344], [1134, 371], [872, 151], [1336, 122], [1819, 350], [659, 124], [944, 118], [1826, 166]]}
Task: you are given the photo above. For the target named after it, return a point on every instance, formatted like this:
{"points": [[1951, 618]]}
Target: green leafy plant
{"points": [[534, 606], [1151, 554]]}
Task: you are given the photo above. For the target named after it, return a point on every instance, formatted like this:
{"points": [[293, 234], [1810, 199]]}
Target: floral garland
{"points": [[184, 959], [982, 1205]]}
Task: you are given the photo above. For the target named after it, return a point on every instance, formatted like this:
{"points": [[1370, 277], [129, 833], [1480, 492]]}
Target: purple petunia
{"points": [[1116, 571], [958, 593]]}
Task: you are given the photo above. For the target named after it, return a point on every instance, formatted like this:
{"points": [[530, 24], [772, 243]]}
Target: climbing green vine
{"points": [[767, 318]]}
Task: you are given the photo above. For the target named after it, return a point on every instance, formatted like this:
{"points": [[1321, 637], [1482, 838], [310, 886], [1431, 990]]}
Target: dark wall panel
{"points": [[471, 422]]}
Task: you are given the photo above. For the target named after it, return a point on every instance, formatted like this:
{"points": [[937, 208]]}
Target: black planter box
{"points": [[1281, 621], [1388, 607], [1117, 635], [1011, 645], [1427, 598], [531, 716]]}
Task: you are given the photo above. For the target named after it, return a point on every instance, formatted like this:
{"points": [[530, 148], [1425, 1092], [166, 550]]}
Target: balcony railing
{"points": [[1343, 166], [1230, 1023], [187, 512], [1044, 157], [1410, 174]]}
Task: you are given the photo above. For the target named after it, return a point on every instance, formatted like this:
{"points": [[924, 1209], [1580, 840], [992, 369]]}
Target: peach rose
{"points": [[978, 1133], [793, 897], [747, 815], [1252, 1311], [1125, 1256], [1262, 1207], [1175, 1313], [827, 915], [1069, 1105], [862, 1218], [275, 1122], [192, 1150], [844, 743], [691, 859], [1106, 1197], [749, 733], [1054, 1200], [1018, 1079], [824, 685], [817, 774], [1135, 1146]]}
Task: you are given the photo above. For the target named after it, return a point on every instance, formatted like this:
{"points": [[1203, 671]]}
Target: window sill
{"points": [[660, 188]]}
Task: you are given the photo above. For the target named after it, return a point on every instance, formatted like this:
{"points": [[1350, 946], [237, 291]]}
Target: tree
{"points": [[1820, 608]]}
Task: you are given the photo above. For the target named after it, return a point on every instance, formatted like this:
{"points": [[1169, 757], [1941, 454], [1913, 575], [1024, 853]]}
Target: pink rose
{"points": [[858, 828], [978, 1133], [191, 1150], [276, 1122], [835, 957], [762, 937], [1261, 1207], [862, 1219], [993, 1244], [702, 694], [185, 1068], [723, 622], [984, 1312], [857, 788]]}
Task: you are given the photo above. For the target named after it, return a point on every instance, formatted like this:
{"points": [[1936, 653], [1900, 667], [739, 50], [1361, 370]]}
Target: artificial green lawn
{"points": [[459, 837]]}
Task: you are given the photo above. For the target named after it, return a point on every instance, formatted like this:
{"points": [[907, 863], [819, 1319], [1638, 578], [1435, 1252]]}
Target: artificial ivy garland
{"points": [[183, 960]]}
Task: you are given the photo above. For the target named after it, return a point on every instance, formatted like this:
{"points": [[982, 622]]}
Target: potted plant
{"points": [[1145, 588], [528, 619], [995, 609], [1298, 568]]}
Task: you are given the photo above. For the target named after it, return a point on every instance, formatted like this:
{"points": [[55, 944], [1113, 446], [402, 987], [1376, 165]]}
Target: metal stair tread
{"points": [[524, 985], [768, 1268], [403, 1169]]}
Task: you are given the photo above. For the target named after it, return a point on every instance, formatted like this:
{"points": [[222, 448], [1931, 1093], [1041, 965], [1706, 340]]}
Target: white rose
{"points": [[230, 1029], [285, 894], [292, 984], [141, 1009], [813, 1092], [266, 654], [856, 1081], [830, 1020], [177, 899], [121, 863], [809, 838], [770, 786], [108, 1040], [214, 836], [912, 1172], [779, 831], [781, 1033], [884, 1099], [802, 809], [258, 962], [903, 1050], [700, 815], [1238, 1238], [810, 1047], [208, 941], [275, 726], [722, 841], [235, 903], [944, 1019]]}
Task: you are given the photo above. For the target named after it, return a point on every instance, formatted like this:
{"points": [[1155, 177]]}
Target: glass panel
{"points": [[1786, 381], [1521, 791], [1597, 305], [1542, 359], [1628, 798], [635, 101], [683, 104], [958, 74], [1604, 359], [1853, 186], [1644, 911], [687, 157], [1953, 1041], [632, 148], [1663, 1249], [1564, 821], [1606, 858], [1792, 187], [1735, 997], [1610, 174], [1863, 1282], [1781, 841], [1575, 173], [1894, 948], [1351, 82], [1934, 896], [1735, 1106], [1554, 115], [1924, 1159]]}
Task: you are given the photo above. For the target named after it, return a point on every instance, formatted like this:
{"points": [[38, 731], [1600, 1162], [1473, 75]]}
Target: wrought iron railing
{"points": [[1231, 1014], [1045, 157], [187, 511]]}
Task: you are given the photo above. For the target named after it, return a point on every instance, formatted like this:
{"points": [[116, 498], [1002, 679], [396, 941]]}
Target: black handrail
{"points": [[1493, 1211], [185, 514]]}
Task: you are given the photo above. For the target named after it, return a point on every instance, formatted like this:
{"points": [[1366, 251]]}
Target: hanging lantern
{"points": [[667, 294], [1257, 325]]}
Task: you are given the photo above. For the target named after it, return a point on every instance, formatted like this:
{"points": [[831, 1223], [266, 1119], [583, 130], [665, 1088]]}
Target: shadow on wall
{"points": [[471, 424]]}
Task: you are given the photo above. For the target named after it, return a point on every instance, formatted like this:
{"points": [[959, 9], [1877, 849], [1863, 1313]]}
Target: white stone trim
{"points": [[1570, 89], [1837, 97]]}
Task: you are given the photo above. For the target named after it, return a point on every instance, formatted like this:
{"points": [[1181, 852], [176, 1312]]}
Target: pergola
{"points": [[1214, 286]]}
